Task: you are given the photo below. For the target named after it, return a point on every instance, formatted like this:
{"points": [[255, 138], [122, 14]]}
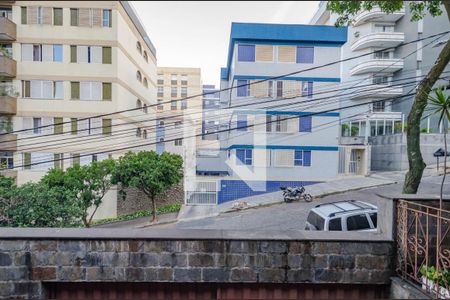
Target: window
{"points": [[138, 132], [270, 88], [90, 90], [138, 47], [144, 134], [244, 156], [384, 28], [106, 90], [40, 15], [37, 125], [382, 55], [74, 17], [57, 16], [144, 108], [335, 224], [26, 161], [145, 82], [6, 160], [173, 79], [160, 91], [183, 91], [75, 159], [305, 124], [160, 105], [378, 106], [373, 217], [302, 158], [40, 89], [316, 221], [358, 222], [58, 161], [38, 52], [106, 55], [160, 79], [173, 105], [138, 76], [177, 124], [307, 89], [380, 79], [58, 126], [305, 55], [23, 14], [106, 126], [183, 104], [279, 89], [161, 124], [138, 104], [178, 142], [57, 53], [184, 79], [73, 126], [243, 88], [145, 56], [280, 158], [106, 22], [241, 123], [246, 53], [173, 91], [280, 124]]}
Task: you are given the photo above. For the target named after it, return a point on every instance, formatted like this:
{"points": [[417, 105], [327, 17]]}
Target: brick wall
{"points": [[25, 264]]}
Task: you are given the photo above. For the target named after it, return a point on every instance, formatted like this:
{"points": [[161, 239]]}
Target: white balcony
{"points": [[386, 115], [376, 15], [379, 40], [377, 65], [377, 91]]}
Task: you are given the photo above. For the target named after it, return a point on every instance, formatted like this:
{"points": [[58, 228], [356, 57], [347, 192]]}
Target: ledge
{"points": [[184, 234], [413, 197]]}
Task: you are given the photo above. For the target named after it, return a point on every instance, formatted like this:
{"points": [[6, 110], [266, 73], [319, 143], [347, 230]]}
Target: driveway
{"points": [[293, 216]]}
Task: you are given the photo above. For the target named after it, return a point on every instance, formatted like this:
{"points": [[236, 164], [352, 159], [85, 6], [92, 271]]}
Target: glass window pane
{"points": [[358, 222], [335, 224], [246, 53]]}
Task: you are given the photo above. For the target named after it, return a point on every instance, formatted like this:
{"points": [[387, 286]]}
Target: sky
{"points": [[196, 33]]}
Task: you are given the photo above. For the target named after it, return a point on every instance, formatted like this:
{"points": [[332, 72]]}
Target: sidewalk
{"points": [[317, 190]]}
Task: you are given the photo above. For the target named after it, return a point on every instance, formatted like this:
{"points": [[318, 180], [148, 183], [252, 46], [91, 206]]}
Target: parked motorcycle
{"points": [[295, 193]]}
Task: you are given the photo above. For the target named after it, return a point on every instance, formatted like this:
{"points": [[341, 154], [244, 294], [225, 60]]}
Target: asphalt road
{"points": [[292, 216]]}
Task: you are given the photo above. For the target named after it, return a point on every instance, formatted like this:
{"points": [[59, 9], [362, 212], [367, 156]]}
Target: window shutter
{"points": [[47, 15], [82, 54], [264, 53], [36, 89], [23, 15], [242, 88], [58, 90], [291, 88], [305, 55], [246, 52], [27, 52], [96, 126], [32, 15], [27, 123], [27, 89], [106, 55], [47, 52], [258, 90], [85, 90], [83, 126], [73, 126], [74, 90], [106, 126], [96, 91], [74, 17], [27, 161], [47, 89], [73, 54], [84, 17], [58, 126], [75, 159], [96, 54], [96, 17], [305, 124], [107, 90], [283, 158], [49, 123], [57, 16], [286, 53]]}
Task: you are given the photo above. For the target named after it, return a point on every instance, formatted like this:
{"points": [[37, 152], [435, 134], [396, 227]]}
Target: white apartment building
{"points": [[62, 64]]}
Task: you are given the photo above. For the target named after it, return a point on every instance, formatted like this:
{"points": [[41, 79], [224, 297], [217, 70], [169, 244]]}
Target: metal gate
{"points": [[204, 193], [342, 163], [354, 162]]}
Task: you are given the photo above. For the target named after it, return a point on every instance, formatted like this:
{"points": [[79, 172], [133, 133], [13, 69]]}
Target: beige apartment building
{"points": [[179, 111], [62, 64]]}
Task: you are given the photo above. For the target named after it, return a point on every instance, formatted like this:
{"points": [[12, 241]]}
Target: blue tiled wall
{"points": [[235, 189]]}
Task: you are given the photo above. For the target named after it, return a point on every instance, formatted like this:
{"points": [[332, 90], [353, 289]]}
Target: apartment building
{"points": [[280, 131], [63, 63], [179, 110], [211, 106], [382, 79]]}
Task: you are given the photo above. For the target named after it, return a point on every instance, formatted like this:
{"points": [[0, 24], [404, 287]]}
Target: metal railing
{"points": [[423, 247], [204, 193]]}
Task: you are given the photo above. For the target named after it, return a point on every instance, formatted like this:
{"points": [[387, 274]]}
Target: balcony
{"points": [[352, 140], [386, 115], [377, 91], [378, 39], [7, 29], [8, 67], [8, 142], [377, 65], [376, 15], [8, 105]]}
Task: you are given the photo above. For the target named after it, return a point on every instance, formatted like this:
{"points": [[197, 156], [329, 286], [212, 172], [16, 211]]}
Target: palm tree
{"points": [[440, 105]]}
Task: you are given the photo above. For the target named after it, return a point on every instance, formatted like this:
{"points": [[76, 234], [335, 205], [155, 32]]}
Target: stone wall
{"points": [[26, 263], [137, 201]]}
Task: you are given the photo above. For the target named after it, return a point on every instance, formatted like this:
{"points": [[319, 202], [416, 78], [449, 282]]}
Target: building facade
{"points": [[211, 105], [279, 132], [383, 79], [60, 70]]}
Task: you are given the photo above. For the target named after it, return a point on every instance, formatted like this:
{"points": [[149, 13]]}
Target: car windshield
{"points": [[316, 220]]}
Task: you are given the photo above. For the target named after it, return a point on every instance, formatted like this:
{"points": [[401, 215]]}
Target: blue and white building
{"points": [[283, 123]]}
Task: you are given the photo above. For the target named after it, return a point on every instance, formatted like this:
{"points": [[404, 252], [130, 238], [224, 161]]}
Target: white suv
{"points": [[348, 215]]}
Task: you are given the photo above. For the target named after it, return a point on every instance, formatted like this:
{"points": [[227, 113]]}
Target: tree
{"points": [[7, 190], [347, 10], [149, 172], [440, 105], [88, 183]]}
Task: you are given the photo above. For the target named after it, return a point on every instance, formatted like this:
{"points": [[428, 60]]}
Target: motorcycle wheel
{"points": [[307, 198]]}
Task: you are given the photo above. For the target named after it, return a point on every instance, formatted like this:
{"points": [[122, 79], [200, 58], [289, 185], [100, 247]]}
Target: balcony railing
{"points": [[423, 247], [379, 40], [377, 65], [7, 30], [377, 15], [8, 67], [8, 142], [377, 91]]}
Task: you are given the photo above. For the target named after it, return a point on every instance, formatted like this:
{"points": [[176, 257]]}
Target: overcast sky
{"points": [[196, 34]]}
